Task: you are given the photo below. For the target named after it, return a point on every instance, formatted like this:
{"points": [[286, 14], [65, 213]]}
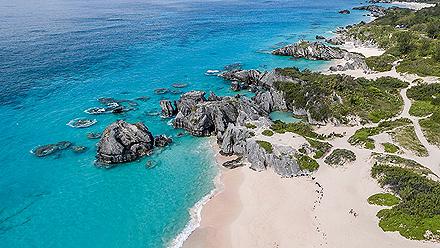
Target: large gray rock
{"points": [[234, 140], [206, 118], [311, 50], [124, 142], [281, 159], [264, 79], [270, 100]]}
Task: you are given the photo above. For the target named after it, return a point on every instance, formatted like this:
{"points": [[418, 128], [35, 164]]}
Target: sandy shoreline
{"points": [[261, 209]]}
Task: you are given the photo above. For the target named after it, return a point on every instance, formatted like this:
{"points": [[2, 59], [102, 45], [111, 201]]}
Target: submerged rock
{"points": [[235, 86], [161, 91], [124, 142], [143, 98], [344, 11], [50, 149], [79, 149], [93, 135], [319, 37], [180, 85], [81, 123]]}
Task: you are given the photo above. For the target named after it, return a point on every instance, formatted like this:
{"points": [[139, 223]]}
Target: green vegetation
{"points": [[406, 35], [406, 137], [383, 199], [381, 63], [431, 128], [426, 99], [267, 146], [342, 96], [250, 125], [417, 215], [362, 136], [421, 108], [390, 148], [339, 157], [394, 160], [267, 133], [300, 128], [321, 147], [306, 163]]}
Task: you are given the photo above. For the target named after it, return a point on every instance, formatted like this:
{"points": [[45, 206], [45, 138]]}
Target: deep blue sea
{"points": [[58, 56]]}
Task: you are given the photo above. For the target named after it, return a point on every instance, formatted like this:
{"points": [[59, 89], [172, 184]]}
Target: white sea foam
{"points": [[196, 214]]}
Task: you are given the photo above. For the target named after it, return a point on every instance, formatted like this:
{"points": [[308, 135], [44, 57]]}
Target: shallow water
{"points": [[285, 117], [58, 57]]}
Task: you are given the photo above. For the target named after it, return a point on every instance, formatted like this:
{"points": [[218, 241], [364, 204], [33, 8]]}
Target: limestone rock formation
{"points": [[311, 50], [124, 142], [168, 110]]}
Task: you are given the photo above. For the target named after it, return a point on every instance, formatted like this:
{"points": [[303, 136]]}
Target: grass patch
{"points": [[321, 147], [300, 128], [390, 148], [267, 133], [394, 160], [306, 163], [383, 199], [381, 63], [250, 125], [417, 215], [422, 108], [339, 157], [362, 136], [267, 146], [406, 137], [431, 130]]}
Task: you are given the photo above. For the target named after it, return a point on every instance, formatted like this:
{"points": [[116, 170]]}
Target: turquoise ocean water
{"points": [[58, 56]]}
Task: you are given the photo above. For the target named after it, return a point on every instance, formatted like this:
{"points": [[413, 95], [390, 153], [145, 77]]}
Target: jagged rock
{"points": [[345, 11], [376, 11], [238, 162], [124, 142], [281, 160], [213, 97], [162, 140], [319, 37], [168, 109], [235, 86], [254, 78], [205, 118], [311, 50], [234, 140], [271, 100], [354, 62], [336, 40]]}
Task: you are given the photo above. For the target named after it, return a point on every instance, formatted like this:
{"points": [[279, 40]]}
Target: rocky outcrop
{"points": [[376, 11], [202, 117], [168, 110], [336, 40], [319, 37], [311, 50], [264, 79], [234, 140], [162, 140], [281, 159], [270, 100], [124, 142], [344, 11], [353, 62]]}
